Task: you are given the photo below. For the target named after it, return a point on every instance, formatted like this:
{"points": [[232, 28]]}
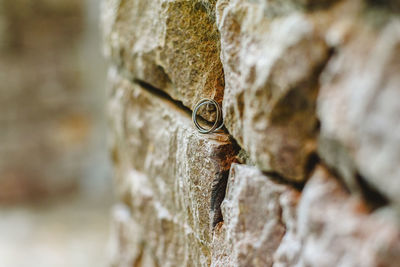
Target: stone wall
{"points": [[306, 171]]}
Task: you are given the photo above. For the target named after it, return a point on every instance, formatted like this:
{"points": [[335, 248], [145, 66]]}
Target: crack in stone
{"points": [[373, 198], [165, 96], [218, 192]]}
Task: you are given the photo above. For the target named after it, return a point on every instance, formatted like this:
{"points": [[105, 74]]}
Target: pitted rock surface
{"points": [[172, 45], [165, 171]]}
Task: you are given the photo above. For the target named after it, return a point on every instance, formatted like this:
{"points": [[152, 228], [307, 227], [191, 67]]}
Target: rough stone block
{"points": [[359, 109], [271, 71], [167, 171], [172, 45], [336, 229], [256, 210]]}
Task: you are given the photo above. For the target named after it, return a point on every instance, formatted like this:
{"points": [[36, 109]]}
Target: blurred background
{"points": [[55, 185]]}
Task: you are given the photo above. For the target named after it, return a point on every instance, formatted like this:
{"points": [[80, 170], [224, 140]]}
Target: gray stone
{"points": [[255, 212], [336, 229], [359, 109], [271, 71], [166, 171]]}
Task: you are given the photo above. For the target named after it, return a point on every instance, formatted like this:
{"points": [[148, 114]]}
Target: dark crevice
{"points": [[218, 192], [373, 198], [277, 178], [314, 6], [163, 95], [220, 182], [391, 5], [312, 162], [236, 147]]}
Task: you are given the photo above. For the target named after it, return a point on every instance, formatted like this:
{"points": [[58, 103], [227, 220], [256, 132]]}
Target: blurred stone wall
{"points": [[306, 172], [48, 110]]}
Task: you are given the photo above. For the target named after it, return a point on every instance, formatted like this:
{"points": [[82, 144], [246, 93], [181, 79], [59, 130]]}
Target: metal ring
{"points": [[218, 118], [194, 116]]}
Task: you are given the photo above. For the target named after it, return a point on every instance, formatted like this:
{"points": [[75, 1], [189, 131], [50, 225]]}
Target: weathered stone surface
{"points": [[255, 212], [172, 45], [275, 56], [359, 109], [271, 71], [270, 224], [335, 229], [166, 171]]}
